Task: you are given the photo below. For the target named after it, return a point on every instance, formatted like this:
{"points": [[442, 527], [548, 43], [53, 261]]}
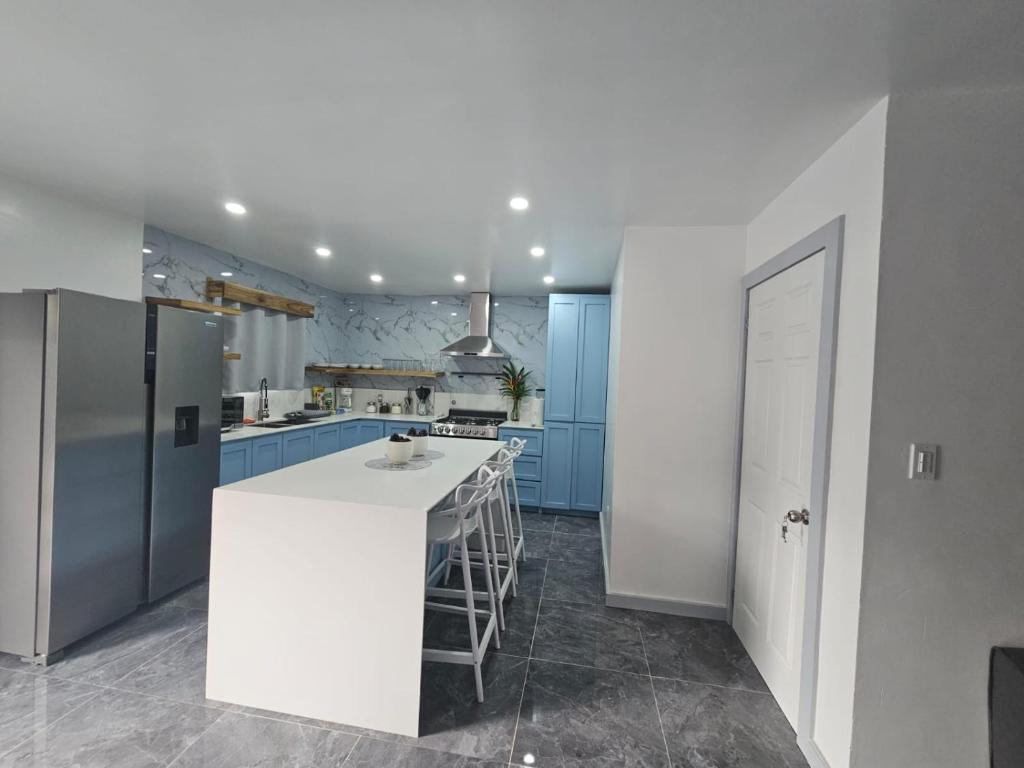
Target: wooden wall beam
{"points": [[244, 294]]}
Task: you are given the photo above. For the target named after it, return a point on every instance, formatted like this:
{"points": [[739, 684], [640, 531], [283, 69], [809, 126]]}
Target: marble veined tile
{"points": [[577, 549], [592, 635], [535, 521], [580, 717], [711, 727], [29, 703], [114, 729], [578, 582], [371, 753], [237, 740], [195, 596], [111, 653], [177, 673], [698, 650], [451, 631], [581, 526]]}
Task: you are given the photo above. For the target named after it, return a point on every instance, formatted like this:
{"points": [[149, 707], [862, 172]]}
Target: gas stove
{"points": [[476, 425]]}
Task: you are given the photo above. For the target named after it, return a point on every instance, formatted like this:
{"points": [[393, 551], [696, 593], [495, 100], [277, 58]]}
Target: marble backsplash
{"points": [[362, 328]]}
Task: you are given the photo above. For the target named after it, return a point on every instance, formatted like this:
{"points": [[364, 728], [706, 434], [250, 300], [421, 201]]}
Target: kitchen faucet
{"points": [[263, 411]]}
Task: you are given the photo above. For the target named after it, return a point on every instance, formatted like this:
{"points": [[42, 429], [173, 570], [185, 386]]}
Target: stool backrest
{"points": [[516, 446]]}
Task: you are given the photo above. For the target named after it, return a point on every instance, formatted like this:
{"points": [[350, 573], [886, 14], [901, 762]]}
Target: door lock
{"points": [[803, 516]]}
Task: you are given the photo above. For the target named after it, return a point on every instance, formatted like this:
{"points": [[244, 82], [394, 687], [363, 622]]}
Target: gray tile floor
{"points": [[575, 684]]}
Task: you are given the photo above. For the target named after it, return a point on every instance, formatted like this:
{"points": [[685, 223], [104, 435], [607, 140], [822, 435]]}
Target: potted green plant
{"points": [[515, 385]]}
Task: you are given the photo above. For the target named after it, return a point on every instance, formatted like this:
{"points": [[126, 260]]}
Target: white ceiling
{"points": [[395, 132]]}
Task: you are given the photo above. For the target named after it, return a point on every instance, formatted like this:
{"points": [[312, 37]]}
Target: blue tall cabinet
{"points": [[574, 402]]}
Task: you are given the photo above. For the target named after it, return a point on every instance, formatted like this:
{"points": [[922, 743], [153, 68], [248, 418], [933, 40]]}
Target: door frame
{"points": [[829, 239]]}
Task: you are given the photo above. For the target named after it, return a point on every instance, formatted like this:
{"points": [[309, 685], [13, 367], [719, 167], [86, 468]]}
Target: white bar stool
{"points": [[454, 526]]}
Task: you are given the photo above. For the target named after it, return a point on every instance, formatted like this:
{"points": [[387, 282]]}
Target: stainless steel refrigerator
{"points": [[72, 453], [184, 359]]}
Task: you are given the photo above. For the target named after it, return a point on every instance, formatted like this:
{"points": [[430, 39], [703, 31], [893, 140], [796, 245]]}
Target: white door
{"points": [[778, 424]]}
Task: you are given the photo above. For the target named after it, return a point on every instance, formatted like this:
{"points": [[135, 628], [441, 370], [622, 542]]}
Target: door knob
{"points": [[803, 516]]}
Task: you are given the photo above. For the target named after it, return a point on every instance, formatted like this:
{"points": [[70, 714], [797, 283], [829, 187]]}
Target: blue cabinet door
{"points": [[556, 474], [534, 439], [266, 454], [562, 356], [592, 358], [587, 467], [370, 431], [401, 427], [235, 461], [349, 434], [326, 439], [298, 446], [528, 468], [529, 493]]}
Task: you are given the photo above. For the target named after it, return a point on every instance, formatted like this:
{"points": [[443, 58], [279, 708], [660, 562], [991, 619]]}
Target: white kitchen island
{"points": [[317, 579]]}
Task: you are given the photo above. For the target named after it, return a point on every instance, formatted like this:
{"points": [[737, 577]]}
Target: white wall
{"points": [[612, 413], [944, 560], [671, 467], [847, 179], [48, 241]]}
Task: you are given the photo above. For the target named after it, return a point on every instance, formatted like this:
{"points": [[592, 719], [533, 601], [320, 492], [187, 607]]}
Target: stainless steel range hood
{"points": [[479, 342]]}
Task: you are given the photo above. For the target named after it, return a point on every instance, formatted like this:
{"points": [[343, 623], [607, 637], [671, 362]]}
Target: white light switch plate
{"points": [[924, 461]]}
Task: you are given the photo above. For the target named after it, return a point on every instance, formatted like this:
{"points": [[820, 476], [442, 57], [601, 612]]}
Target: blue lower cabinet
{"points": [[326, 440], [528, 468], [556, 483], [401, 427], [297, 447], [349, 437], [266, 454], [529, 493], [235, 461], [370, 431], [534, 439], [587, 467]]}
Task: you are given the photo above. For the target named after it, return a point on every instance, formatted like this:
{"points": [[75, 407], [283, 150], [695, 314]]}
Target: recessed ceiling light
{"points": [[434, 301], [376, 278], [549, 279], [455, 314], [147, 250], [459, 278], [351, 310], [518, 203], [236, 208], [497, 304], [323, 250], [158, 276], [226, 274], [376, 318], [537, 251]]}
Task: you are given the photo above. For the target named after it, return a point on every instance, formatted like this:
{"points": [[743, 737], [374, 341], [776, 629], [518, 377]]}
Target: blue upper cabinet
{"points": [[577, 358], [592, 359], [563, 350]]}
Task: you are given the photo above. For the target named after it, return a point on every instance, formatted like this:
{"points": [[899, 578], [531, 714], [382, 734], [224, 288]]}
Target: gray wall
{"points": [[943, 576]]}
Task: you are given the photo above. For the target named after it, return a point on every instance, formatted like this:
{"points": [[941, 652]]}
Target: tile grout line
{"points": [[654, 692], [529, 660], [156, 656], [197, 738], [352, 749], [36, 732]]}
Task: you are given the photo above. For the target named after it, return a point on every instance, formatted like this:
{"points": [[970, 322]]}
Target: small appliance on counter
{"points": [[423, 396], [343, 401], [371, 407], [232, 411]]}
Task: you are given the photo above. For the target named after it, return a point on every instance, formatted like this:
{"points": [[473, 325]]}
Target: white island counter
{"points": [[317, 579]]}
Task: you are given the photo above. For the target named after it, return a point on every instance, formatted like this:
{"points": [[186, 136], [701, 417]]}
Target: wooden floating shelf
{"points": [[221, 289], [196, 306], [372, 372], [232, 355]]}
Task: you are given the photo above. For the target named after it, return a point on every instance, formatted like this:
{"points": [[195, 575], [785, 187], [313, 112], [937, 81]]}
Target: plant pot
{"points": [[399, 451], [419, 445]]}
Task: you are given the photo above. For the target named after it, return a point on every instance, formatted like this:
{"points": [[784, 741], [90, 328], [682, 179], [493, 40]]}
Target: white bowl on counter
{"points": [[419, 445], [399, 451]]}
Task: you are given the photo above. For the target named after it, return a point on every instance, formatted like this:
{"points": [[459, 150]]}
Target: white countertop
{"points": [[246, 432], [344, 477]]}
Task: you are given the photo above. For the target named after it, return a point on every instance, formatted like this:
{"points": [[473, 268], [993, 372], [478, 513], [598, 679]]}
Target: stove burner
{"points": [[479, 425]]}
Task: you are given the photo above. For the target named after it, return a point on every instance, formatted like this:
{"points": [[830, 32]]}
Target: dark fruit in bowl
{"points": [[421, 433], [397, 438], [412, 432]]}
